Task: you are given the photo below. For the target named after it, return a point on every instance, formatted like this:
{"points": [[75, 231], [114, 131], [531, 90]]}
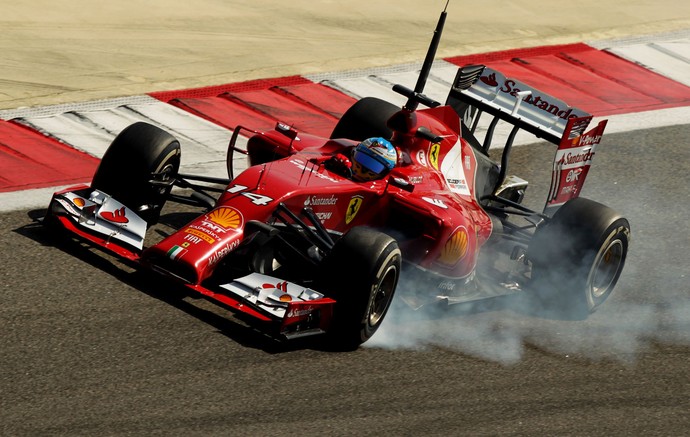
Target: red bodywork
{"points": [[428, 203], [440, 230], [445, 230], [451, 227]]}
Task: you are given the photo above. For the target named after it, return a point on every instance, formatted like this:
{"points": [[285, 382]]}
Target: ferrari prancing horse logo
{"points": [[353, 208], [433, 155]]}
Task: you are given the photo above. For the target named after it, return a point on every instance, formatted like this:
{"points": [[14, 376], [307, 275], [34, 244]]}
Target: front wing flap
{"points": [[99, 218], [300, 310]]}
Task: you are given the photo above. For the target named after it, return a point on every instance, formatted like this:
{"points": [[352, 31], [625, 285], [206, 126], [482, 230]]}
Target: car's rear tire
{"points": [[139, 154], [361, 273], [577, 258], [365, 119]]}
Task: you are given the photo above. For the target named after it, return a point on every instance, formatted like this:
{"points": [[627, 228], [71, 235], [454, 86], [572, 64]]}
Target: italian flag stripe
{"points": [[175, 252]]}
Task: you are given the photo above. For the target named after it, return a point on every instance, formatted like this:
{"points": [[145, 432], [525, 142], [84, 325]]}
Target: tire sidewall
{"points": [[352, 274], [617, 233], [391, 259]]}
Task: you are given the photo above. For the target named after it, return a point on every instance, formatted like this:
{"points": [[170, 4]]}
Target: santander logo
{"points": [[575, 158], [511, 87]]}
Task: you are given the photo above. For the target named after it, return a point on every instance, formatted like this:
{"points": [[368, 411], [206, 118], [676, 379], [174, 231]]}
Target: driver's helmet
{"points": [[373, 158]]}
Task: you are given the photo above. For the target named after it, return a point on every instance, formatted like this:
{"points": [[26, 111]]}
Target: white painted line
{"points": [[645, 120], [91, 127], [606, 44], [665, 53], [68, 129], [52, 110], [377, 82], [665, 62], [365, 87]]}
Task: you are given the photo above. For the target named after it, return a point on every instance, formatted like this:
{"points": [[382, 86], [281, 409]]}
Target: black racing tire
{"points": [[361, 273], [578, 256], [365, 119], [138, 155]]}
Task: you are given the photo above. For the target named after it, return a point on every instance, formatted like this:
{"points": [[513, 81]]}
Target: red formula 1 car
{"points": [[301, 247]]}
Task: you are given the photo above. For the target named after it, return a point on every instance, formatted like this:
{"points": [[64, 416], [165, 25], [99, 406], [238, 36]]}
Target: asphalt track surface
{"points": [[89, 347]]}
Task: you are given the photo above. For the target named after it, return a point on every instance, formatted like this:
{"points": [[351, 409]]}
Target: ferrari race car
{"points": [[300, 247]]}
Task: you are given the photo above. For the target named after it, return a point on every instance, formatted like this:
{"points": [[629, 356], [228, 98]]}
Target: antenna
{"points": [[428, 61]]}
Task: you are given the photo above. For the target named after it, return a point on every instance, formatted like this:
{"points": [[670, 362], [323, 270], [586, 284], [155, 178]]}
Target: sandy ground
{"points": [[75, 50]]}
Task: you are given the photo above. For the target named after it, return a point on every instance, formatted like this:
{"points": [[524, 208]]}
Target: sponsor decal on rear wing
{"points": [[519, 104]]}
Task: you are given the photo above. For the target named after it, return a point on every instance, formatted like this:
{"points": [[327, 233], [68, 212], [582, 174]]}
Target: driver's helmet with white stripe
{"points": [[373, 158]]}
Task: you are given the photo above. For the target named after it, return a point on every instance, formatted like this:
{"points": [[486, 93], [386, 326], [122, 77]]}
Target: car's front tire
{"points": [[140, 154], [361, 273]]}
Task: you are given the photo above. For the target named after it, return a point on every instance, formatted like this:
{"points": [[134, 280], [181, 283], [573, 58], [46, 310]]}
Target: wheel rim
{"points": [[166, 175], [607, 269], [382, 297]]}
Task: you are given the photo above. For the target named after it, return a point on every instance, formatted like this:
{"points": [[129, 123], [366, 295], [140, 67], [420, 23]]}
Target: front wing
{"points": [[98, 218]]}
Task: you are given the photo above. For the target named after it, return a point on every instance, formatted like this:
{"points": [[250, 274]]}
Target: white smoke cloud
{"points": [[501, 330], [650, 305]]}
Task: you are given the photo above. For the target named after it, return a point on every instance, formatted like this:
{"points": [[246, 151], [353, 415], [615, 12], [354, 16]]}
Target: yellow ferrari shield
{"points": [[353, 208], [433, 155]]}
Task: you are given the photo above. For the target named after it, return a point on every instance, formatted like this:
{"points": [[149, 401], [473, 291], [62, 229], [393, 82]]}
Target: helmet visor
{"points": [[369, 161]]}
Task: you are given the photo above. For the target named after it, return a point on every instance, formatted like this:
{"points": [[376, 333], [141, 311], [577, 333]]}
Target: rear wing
{"points": [[478, 89]]}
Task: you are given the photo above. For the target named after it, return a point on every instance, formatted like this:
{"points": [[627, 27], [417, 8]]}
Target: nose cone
{"points": [[194, 251]]}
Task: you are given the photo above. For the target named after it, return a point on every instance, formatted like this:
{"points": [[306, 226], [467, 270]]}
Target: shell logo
{"points": [[228, 218], [455, 248], [79, 202]]}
